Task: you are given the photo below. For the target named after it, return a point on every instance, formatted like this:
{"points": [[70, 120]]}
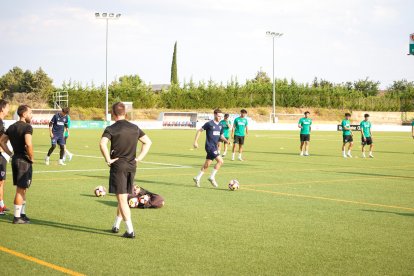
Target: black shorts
{"points": [[305, 137], [22, 172], [121, 182], [239, 140], [348, 139], [3, 167], [60, 140], [367, 142], [212, 154], [66, 138]]}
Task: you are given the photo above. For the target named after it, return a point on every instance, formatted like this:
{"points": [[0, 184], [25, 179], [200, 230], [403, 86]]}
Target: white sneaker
{"points": [[306, 154], [232, 159], [197, 182], [61, 162], [363, 155], [213, 182], [47, 161], [345, 156], [70, 156], [371, 156], [349, 155], [301, 153]]}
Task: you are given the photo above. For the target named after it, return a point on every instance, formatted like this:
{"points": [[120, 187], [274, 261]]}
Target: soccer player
{"points": [[226, 124], [238, 132], [347, 135], [4, 110], [366, 135], [66, 136], [57, 126], [20, 135], [214, 132], [305, 128], [412, 129], [155, 200], [122, 160]]}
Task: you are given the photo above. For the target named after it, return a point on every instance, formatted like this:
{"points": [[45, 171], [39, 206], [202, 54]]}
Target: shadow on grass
{"points": [[289, 153], [378, 174], [388, 212], [60, 225], [397, 152]]}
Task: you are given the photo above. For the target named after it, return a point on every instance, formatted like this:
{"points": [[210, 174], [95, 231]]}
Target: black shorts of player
{"points": [[3, 167], [212, 154], [66, 138], [348, 138], [58, 139], [121, 182], [22, 172], [367, 142], [239, 140], [305, 137]]}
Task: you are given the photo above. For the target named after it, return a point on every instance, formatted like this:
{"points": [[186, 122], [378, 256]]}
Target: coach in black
{"points": [[124, 137], [20, 135]]}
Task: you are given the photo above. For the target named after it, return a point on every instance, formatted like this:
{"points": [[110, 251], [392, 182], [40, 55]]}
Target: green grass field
{"points": [[293, 215]]}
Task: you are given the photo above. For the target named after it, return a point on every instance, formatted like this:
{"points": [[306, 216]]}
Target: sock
{"points": [[17, 210], [370, 153], [349, 151], [232, 157], [23, 210], [200, 174], [306, 152], [61, 160], [363, 154], [47, 157], [225, 152], [1, 203], [240, 155], [213, 173], [64, 156], [129, 226], [301, 152], [343, 152], [117, 222]]}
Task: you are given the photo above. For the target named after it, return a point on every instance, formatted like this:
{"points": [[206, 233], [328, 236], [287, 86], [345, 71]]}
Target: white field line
{"points": [[144, 162]]}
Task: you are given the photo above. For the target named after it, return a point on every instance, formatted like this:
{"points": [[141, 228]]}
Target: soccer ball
{"points": [[234, 185], [143, 199], [133, 202], [100, 191]]}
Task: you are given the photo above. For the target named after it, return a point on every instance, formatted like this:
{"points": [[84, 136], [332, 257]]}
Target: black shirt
{"points": [[124, 138], [16, 133]]}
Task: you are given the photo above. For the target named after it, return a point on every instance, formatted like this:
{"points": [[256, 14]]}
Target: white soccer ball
{"points": [[143, 199], [133, 202], [100, 191], [234, 185]]}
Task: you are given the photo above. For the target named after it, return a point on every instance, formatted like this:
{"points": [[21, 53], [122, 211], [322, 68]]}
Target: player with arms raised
{"points": [[214, 132], [347, 135]]}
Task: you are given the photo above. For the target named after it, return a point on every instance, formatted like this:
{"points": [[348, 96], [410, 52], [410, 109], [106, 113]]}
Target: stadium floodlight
{"points": [[274, 35], [105, 16]]}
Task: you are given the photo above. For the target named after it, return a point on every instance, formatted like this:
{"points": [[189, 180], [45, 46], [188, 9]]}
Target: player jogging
{"points": [[305, 128], [20, 135], [4, 110], [57, 126], [66, 136], [214, 132], [347, 135], [122, 160], [238, 132], [226, 124], [366, 135]]}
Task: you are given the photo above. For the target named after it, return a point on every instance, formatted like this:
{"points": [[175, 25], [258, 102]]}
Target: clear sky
{"points": [[217, 39]]}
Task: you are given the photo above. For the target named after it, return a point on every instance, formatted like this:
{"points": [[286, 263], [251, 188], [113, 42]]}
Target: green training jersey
{"points": [[66, 132], [346, 123], [412, 123], [366, 127], [240, 125], [226, 127], [305, 123]]}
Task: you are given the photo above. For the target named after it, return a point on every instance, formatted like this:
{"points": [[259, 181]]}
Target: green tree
{"points": [[42, 84], [174, 74]]}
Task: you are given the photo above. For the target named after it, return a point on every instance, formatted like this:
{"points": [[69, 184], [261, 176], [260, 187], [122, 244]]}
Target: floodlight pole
{"points": [[106, 16], [274, 35]]}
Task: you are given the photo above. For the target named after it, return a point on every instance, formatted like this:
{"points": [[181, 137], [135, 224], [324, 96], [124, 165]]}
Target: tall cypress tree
{"points": [[174, 76]]}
